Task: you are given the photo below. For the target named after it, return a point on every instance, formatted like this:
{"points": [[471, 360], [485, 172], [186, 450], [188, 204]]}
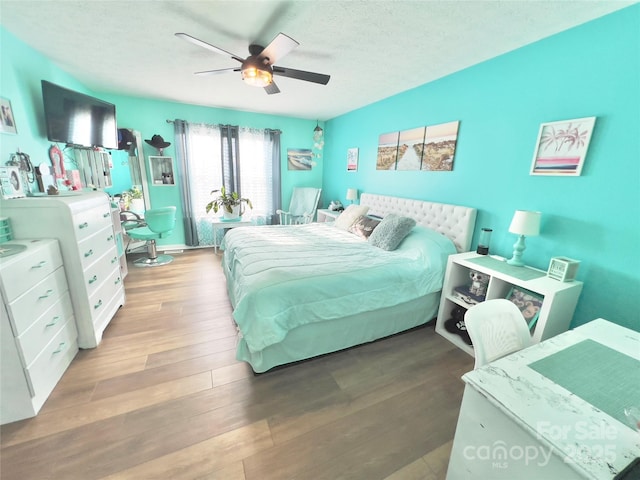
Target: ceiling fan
{"points": [[258, 68]]}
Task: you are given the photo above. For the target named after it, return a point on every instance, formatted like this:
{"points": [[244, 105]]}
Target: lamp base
{"points": [[518, 249]]}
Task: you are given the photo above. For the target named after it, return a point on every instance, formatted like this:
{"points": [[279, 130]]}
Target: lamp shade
{"points": [[352, 194], [526, 223]]}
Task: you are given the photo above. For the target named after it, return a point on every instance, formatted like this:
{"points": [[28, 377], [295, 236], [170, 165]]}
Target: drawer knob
{"points": [[83, 225], [118, 280], [46, 295], [54, 320], [60, 348], [93, 280], [40, 265], [114, 259], [97, 305], [109, 238], [88, 254], [105, 215]]}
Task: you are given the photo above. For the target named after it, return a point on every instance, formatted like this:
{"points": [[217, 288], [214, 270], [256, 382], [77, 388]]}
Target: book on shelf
{"points": [[463, 293]]}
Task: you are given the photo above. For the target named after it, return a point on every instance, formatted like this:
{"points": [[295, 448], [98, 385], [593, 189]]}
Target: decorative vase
{"points": [[137, 205], [234, 215]]}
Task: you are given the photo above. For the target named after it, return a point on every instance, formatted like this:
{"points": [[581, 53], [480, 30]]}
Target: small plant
{"points": [[227, 201], [134, 194]]}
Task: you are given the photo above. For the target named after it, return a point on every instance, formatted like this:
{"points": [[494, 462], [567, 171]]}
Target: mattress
{"points": [[280, 278]]}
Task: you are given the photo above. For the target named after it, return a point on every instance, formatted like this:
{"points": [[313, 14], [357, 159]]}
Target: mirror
{"points": [[129, 168]]}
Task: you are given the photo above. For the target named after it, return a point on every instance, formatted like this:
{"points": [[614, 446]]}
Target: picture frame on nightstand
{"points": [[529, 304]]}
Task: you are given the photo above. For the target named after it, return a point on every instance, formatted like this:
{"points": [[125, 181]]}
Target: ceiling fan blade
{"points": [[215, 72], [278, 48], [208, 46], [272, 88], [302, 75]]}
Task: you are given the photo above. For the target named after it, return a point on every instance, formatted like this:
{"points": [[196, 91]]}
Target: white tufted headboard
{"points": [[453, 221]]}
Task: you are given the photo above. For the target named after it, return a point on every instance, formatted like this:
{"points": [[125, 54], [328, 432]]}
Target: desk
{"points": [[219, 224], [516, 423]]}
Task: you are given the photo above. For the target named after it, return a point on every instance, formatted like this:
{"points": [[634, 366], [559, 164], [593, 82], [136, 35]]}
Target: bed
{"points": [[306, 290]]}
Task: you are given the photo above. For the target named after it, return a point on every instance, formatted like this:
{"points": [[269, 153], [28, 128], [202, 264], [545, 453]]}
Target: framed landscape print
{"points": [[300, 159], [562, 147], [387, 151], [430, 148]]}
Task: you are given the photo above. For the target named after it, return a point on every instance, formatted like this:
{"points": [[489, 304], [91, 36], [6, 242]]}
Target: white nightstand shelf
{"points": [[326, 215], [556, 312]]}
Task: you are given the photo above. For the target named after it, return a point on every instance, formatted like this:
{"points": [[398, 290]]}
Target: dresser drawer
{"points": [[40, 333], [93, 247], [45, 371], [25, 309], [103, 295], [19, 274], [97, 274], [91, 221]]}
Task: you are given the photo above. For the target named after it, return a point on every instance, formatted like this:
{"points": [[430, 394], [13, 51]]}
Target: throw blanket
{"points": [[282, 277]]}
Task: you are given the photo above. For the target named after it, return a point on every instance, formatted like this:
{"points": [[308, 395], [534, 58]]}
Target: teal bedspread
{"points": [[283, 277]]}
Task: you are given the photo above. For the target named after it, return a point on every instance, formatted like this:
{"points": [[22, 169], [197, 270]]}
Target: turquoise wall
{"points": [[150, 117], [22, 70], [591, 70]]}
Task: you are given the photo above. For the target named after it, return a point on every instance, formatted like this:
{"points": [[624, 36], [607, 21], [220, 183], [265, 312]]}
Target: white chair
{"points": [[497, 328], [302, 208]]}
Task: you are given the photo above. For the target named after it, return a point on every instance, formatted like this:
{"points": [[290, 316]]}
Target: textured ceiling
{"points": [[371, 49]]}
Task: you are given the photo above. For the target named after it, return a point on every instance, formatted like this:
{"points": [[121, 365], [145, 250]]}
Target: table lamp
{"points": [[352, 194], [524, 223]]}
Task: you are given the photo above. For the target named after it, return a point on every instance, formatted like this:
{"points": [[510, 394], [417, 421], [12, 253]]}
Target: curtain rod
{"points": [[221, 125]]}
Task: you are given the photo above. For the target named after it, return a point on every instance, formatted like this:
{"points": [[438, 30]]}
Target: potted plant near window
{"points": [[230, 203], [133, 199]]}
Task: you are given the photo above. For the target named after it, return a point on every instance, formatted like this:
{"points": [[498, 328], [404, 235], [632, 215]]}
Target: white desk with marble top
{"points": [[552, 411]]}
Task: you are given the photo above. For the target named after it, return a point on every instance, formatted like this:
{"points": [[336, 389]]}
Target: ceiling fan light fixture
{"points": [[256, 75]]}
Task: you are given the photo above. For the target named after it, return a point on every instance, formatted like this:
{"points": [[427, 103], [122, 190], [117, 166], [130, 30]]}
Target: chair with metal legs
{"points": [[159, 223]]}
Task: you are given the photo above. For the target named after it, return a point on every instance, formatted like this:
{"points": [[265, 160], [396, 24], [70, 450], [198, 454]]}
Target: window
{"points": [[242, 159]]}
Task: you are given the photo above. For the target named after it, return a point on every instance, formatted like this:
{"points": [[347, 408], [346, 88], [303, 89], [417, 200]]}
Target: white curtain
{"points": [[256, 172], [242, 159]]}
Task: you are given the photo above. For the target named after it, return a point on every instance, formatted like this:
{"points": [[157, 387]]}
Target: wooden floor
{"points": [[163, 397]]}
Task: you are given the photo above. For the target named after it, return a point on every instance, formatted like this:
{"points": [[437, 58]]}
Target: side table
{"points": [[326, 215], [219, 224]]}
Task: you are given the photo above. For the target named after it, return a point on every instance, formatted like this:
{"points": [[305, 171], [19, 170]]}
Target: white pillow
{"points": [[349, 215]]}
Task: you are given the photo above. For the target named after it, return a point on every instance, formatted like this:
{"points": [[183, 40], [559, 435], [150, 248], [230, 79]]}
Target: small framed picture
{"points": [[562, 147], [352, 160], [7, 122], [528, 303]]}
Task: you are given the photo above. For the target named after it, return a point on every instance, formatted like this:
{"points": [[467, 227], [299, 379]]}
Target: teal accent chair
{"points": [[159, 223]]}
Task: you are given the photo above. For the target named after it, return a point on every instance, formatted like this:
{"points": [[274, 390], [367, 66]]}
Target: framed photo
{"points": [[7, 122], [300, 159], [161, 170], [562, 147], [352, 160], [528, 303]]}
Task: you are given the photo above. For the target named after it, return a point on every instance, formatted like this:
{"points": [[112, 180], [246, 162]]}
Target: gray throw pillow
{"points": [[391, 231]]}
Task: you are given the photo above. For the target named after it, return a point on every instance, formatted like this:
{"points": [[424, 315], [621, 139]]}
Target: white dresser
{"points": [[82, 223], [38, 336]]}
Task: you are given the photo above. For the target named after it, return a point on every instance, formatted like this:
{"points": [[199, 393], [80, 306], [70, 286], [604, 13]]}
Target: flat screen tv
{"points": [[78, 119]]}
